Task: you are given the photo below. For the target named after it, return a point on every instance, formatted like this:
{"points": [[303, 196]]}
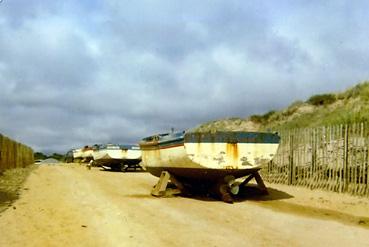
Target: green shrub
{"points": [[39, 156], [256, 118], [262, 118], [267, 115], [321, 99]]}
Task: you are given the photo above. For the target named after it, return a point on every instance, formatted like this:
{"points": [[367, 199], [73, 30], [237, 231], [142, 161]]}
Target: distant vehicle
{"points": [[209, 159], [117, 157]]}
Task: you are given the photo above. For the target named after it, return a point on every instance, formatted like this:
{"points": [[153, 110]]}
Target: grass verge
{"points": [[10, 184]]}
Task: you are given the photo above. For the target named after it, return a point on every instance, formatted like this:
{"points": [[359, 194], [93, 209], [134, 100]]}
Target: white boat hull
{"points": [[208, 156], [209, 160], [116, 157], [107, 154], [77, 153], [87, 154]]}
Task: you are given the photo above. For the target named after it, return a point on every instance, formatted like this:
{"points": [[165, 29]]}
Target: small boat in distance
{"points": [[208, 158], [117, 157], [69, 156], [77, 154], [87, 152]]}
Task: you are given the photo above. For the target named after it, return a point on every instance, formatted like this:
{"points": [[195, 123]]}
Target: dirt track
{"points": [[68, 205]]}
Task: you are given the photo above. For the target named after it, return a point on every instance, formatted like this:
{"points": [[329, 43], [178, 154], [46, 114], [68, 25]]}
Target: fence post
{"points": [[1, 153], [290, 159], [293, 158], [313, 158], [346, 157], [366, 127]]}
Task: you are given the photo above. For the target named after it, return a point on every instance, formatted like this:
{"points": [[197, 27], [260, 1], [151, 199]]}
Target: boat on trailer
{"points": [[117, 157], [210, 158]]}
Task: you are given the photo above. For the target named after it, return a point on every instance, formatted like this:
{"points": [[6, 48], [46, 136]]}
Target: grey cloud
{"points": [[91, 72]]}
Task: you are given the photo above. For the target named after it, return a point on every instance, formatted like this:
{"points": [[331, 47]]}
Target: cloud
{"points": [[76, 73]]}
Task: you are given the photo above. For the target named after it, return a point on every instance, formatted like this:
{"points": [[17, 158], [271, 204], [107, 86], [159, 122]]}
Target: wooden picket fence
{"points": [[14, 154], [333, 158]]}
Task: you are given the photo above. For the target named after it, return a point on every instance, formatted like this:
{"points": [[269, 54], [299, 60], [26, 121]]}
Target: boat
{"points": [[208, 157], [87, 152], [131, 157], [117, 157], [77, 154], [69, 156]]}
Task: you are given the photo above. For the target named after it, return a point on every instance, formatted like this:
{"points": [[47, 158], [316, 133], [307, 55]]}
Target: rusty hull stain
{"points": [[232, 154]]}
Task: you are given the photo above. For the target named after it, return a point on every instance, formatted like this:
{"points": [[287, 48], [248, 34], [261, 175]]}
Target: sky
{"points": [[75, 73]]}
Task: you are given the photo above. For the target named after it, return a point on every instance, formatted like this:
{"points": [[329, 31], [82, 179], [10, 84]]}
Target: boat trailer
{"points": [[224, 188]]}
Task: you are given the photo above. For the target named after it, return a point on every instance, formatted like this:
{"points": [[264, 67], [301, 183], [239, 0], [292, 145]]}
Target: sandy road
{"points": [[68, 205]]}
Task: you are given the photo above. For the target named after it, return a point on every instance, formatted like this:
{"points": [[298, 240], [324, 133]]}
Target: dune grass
{"points": [[350, 106]]}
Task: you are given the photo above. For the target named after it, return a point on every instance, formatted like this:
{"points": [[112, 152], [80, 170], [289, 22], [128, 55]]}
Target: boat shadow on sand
{"points": [[251, 192], [247, 193]]}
